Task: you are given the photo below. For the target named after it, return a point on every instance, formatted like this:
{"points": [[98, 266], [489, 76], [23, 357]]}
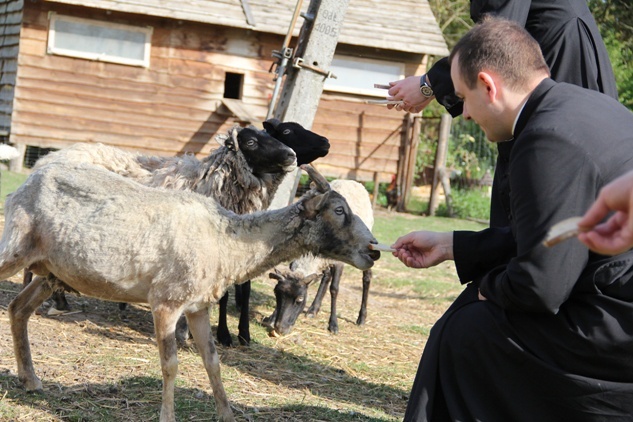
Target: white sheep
{"points": [[292, 286], [7, 152], [109, 237], [243, 175]]}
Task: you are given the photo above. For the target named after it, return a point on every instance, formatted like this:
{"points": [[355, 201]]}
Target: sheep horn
{"points": [[321, 183]]}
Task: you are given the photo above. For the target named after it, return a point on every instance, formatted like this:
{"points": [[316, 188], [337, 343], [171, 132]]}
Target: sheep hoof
{"points": [[33, 386]]}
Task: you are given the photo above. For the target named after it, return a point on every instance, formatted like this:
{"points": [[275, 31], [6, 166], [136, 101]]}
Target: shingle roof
{"points": [[367, 22]]}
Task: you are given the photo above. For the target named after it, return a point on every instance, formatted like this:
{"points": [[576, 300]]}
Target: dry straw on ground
{"points": [[97, 364]]}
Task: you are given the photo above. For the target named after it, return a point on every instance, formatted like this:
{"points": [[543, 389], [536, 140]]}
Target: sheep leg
{"points": [[165, 318], [20, 310], [238, 295], [314, 309], [244, 330], [362, 315], [201, 330], [61, 304], [337, 272], [224, 336], [28, 276]]}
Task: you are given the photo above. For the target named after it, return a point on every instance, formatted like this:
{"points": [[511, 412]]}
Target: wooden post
{"points": [[303, 86], [413, 140], [374, 198], [439, 171]]}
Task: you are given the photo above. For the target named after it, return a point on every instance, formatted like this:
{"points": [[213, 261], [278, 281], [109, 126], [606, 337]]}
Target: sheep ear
{"points": [[276, 275], [271, 125], [312, 206], [231, 140], [319, 181]]}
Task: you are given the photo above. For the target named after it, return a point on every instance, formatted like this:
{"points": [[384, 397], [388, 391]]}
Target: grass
{"points": [[9, 182], [96, 365]]}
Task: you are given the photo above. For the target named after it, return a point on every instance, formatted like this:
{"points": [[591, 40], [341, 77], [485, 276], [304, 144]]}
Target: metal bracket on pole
{"points": [[300, 64], [282, 60], [283, 57]]}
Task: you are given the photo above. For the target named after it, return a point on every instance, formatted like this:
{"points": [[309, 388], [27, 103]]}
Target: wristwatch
{"points": [[425, 88]]}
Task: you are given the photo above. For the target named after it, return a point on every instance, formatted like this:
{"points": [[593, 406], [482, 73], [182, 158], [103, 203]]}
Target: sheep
{"points": [[243, 174], [7, 152], [308, 146], [292, 286], [112, 238]]}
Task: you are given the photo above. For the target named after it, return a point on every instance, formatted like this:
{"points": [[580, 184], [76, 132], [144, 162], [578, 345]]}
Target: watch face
{"points": [[426, 91]]}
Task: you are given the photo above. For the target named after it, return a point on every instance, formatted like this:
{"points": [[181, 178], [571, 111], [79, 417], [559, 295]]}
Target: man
{"points": [[539, 334]]}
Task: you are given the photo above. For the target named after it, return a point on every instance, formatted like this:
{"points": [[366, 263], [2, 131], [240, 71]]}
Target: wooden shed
{"points": [[165, 76]]}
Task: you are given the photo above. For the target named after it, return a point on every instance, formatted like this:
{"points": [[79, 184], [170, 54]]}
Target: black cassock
{"points": [[567, 33], [554, 340]]}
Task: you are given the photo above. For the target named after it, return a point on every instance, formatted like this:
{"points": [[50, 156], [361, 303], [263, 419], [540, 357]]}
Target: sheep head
{"points": [[291, 292], [306, 144]]}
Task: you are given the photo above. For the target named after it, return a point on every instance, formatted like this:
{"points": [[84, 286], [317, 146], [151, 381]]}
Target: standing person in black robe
{"points": [[538, 334], [566, 32], [573, 49]]}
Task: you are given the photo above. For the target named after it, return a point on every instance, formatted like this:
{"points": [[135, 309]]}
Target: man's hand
{"points": [[424, 249], [407, 90]]}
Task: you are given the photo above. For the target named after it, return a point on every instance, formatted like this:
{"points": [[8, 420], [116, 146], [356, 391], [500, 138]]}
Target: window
{"points": [[358, 75], [96, 40], [233, 85]]}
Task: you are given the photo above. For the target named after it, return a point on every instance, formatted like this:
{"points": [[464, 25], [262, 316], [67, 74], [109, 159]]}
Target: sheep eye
{"points": [[339, 210], [299, 300], [287, 132], [251, 142]]}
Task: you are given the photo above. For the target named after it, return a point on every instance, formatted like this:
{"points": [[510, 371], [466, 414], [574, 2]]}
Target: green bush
{"points": [[471, 203]]}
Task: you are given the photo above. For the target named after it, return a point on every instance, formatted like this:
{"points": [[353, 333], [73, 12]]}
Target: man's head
{"points": [[494, 68]]}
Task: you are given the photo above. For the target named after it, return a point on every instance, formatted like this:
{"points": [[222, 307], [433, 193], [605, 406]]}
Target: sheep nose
{"points": [[291, 158]]}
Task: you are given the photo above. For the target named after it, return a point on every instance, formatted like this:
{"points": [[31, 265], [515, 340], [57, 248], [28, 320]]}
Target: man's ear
{"points": [[490, 84]]}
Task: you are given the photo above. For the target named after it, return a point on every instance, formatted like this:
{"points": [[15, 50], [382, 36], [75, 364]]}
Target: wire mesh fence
{"points": [[471, 156]]}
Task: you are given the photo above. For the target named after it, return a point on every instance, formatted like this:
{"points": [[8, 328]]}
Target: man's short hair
{"points": [[500, 46]]}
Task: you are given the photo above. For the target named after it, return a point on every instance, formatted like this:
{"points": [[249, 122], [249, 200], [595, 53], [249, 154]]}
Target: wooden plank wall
{"points": [[10, 21], [174, 106], [365, 139], [169, 108]]}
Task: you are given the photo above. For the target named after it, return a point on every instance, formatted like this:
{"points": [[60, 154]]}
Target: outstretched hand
{"points": [[424, 249], [407, 90], [615, 235]]}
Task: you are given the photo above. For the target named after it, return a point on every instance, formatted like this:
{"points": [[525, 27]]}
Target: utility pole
{"points": [[303, 86]]}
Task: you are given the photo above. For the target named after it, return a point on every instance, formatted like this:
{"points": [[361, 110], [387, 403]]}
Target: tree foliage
{"points": [[453, 17], [615, 19]]}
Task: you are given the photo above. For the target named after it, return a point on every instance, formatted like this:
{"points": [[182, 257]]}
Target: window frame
{"points": [[365, 91], [52, 49]]}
